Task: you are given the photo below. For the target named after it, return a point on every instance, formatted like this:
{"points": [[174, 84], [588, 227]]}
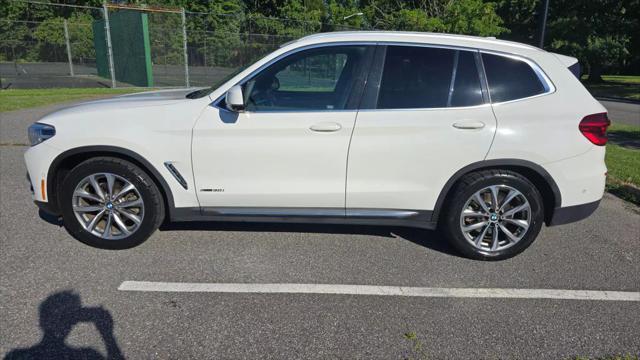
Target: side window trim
{"points": [[549, 87], [484, 83], [372, 86], [369, 44], [454, 72], [360, 81]]}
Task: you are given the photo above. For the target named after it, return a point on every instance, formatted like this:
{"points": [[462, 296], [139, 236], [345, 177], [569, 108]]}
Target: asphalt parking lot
{"points": [[623, 112], [54, 286]]}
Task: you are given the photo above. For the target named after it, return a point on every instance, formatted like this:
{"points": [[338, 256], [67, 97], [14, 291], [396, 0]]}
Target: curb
{"points": [[617, 99]]}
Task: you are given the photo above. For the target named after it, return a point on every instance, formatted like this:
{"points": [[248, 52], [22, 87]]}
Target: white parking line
{"points": [[380, 291]]}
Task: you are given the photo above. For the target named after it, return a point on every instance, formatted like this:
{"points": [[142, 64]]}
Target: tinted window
{"points": [[575, 70], [316, 79], [423, 77], [466, 90], [510, 79]]}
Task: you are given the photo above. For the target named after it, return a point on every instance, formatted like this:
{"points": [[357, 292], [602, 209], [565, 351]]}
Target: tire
{"points": [[125, 221], [523, 224]]}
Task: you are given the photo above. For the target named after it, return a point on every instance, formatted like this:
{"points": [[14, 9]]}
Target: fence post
{"points": [[184, 44], [107, 30], [66, 39]]}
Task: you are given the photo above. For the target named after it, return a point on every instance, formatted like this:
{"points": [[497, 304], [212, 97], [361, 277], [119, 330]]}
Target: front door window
{"points": [[315, 79]]}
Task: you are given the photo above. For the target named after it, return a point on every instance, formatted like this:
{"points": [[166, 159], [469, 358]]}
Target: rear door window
{"points": [[426, 77], [510, 79]]}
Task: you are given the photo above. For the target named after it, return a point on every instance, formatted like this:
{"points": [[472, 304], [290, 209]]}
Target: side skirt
{"points": [[383, 217]]}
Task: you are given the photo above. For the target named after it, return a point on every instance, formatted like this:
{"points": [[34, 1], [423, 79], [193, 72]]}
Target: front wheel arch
{"points": [[67, 160], [533, 172]]}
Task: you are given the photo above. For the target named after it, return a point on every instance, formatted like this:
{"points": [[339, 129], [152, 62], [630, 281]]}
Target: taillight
{"points": [[594, 128]]}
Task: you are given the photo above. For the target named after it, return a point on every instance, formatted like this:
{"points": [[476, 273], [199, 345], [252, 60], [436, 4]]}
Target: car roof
{"points": [[488, 43]]}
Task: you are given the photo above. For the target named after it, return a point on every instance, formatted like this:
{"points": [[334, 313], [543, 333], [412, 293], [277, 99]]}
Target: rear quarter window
{"points": [[511, 79]]}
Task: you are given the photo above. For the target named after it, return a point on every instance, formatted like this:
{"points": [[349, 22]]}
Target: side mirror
{"points": [[234, 99]]}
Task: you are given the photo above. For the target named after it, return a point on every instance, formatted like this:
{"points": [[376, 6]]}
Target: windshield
{"points": [[206, 91]]}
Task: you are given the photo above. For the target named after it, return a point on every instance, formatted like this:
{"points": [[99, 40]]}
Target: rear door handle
{"points": [[326, 127], [469, 125]]}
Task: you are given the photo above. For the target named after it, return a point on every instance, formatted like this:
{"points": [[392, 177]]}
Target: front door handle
{"points": [[469, 125], [326, 127]]}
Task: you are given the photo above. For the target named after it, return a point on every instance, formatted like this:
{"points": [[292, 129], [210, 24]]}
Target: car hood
{"points": [[168, 94], [129, 101]]}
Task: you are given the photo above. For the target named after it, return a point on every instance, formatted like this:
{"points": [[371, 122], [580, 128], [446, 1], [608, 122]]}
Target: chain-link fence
{"points": [[56, 51], [60, 45]]}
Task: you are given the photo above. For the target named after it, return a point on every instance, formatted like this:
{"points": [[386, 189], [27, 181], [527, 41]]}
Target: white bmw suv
{"points": [[481, 138]]}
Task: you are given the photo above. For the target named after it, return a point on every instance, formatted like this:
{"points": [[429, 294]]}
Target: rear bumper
{"points": [[569, 214]]}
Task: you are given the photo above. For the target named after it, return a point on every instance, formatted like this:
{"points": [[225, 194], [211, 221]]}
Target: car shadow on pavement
{"points": [[626, 139], [51, 219], [59, 313], [430, 239]]}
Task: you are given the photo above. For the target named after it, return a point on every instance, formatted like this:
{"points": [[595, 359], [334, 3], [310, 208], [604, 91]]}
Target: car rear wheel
{"points": [[110, 203], [493, 215]]}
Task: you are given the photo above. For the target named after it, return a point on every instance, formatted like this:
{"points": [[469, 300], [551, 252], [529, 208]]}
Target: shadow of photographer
{"points": [[59, 313]]}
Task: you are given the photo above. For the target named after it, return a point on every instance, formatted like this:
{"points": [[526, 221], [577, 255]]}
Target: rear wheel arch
{"points": [[66, 161], [533, 172]]}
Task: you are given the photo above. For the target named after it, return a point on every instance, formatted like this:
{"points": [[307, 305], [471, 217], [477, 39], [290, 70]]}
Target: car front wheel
{"points": [[493, 215], [110, 203]]}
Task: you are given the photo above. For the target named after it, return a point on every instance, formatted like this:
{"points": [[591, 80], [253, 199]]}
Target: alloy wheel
{"points": [[108, 206], [495, 218]]}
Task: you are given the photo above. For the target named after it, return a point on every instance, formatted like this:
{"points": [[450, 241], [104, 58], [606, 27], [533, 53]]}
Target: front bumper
{"points": [[37, 160], [30, 186], [47, 207]]}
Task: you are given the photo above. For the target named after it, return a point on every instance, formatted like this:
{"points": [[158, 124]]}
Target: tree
{"points": [[472, 17], [603, 34], [520, 18], [337, 11], [51, 40], [16, 40], [596, 31]]}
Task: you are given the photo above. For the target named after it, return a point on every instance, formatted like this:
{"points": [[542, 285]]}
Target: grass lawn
{"points": [[15, 99], [623, 163], [621, 86]]}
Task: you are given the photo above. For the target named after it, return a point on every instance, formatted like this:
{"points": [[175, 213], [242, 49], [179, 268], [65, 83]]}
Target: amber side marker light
{"points": [[44, 196]]}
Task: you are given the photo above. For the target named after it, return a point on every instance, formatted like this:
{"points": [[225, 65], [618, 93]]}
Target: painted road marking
{"points": [[337, 289]]}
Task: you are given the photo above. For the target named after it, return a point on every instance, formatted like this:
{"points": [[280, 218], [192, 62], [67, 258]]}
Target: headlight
{"points": [[40, 132]]}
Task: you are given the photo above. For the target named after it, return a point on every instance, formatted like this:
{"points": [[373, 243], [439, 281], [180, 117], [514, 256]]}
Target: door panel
{"points": [[401, 159], [270, 159], [425, 118], [289, 148]]}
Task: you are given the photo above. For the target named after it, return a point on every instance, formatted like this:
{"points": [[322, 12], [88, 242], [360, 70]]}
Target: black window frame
{"points": [[374, 80]]}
